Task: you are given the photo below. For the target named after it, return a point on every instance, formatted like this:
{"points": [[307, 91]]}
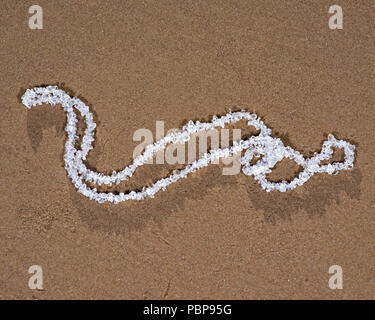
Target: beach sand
{"points": [[210, 236]]}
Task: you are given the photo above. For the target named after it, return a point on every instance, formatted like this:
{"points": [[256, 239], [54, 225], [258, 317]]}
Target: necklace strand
{"points": [[271, 149]]}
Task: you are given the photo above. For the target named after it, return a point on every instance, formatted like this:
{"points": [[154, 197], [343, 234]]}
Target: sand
{"points": [[210, 236]]}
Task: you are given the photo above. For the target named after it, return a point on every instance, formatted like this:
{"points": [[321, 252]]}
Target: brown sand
{"points": [[210, 236]]}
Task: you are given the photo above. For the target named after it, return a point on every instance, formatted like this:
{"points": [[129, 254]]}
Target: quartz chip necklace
{"points": [[271, 150]]}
